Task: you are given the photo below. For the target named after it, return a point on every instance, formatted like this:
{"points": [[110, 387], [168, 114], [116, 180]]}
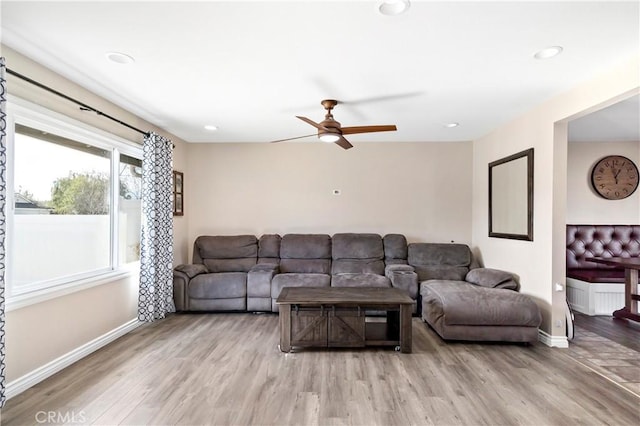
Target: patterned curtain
{"points": [[3, 221], [156, 243]]}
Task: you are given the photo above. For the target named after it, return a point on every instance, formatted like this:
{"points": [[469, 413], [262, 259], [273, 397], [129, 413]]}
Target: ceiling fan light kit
{"points": [[393, 7], [331, 131], [329, 137]]}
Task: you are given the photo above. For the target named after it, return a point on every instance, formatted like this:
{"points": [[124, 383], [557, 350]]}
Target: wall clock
{"points": [[614, 177]]}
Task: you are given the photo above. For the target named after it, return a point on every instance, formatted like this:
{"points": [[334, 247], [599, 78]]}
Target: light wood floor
{"points": [[225, 369]]}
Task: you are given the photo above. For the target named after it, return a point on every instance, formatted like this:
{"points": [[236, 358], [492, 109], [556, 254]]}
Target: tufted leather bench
{"points": [[584, 241]]}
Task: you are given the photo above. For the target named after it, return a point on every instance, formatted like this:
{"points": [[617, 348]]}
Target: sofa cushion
{"points": [[434, 254], [226, 253], [357, 253], [305, 246], [398, 268], [462, 303], [269, 248], [395, 249], [439, 261], [456, 273], [305, 266], [492, 278], [359, 280], [357, 266], [230, 265], [305, 253], [227, 285], [298, 280], [226, 247], [357, 246]]}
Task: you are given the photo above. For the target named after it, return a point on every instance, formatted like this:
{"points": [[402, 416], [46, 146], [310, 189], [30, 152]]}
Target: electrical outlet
{"points": [[559, 287]]}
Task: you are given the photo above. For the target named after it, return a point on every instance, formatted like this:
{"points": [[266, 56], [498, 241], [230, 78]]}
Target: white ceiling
{"points": [[250, 67], [619, 122]]}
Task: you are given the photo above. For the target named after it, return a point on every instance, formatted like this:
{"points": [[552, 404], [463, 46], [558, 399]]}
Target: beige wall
{"points": [[180, 236], [422, 190], [541, 262], [40, 333], [584, 206]]}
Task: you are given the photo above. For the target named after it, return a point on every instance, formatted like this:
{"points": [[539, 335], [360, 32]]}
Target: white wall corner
{"points": [[36, 376], [553, 341]]}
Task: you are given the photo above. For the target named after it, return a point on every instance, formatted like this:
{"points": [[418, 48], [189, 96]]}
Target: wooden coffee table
{"points": [[335, 317]]}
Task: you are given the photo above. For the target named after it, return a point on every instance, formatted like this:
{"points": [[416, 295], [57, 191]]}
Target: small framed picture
{"points": [[178, 193]]}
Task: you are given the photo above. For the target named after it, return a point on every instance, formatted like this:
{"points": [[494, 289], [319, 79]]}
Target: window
{"points": [[76, 199], [130, 208]]}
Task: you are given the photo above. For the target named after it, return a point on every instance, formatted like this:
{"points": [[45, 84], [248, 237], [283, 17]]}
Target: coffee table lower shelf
{"points": [[339, 327], [382, 334]]}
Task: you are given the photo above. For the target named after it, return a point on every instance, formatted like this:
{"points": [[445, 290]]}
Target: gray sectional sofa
{"points": [[243, 273], [460, 300]]}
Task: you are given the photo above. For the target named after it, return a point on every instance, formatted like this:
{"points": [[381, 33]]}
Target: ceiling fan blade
{"points": [[313, 123], [381, 98], [297, 137], [368, 129], [344, 143]]}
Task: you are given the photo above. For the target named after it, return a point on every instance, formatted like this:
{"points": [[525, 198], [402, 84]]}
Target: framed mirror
{"points": [[511, 197]]}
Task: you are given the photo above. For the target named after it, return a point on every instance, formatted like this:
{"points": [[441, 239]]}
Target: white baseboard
{"points": [[553, 341], [23, 383]]}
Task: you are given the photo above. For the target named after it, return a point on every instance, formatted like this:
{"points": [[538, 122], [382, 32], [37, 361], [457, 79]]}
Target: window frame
{"points": [[32, 115]]}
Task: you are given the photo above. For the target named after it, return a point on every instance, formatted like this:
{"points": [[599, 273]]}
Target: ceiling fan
{"points": [[329, 130]]}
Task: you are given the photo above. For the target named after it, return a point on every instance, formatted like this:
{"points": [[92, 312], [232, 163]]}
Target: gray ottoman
{"points": [[459, 310]]}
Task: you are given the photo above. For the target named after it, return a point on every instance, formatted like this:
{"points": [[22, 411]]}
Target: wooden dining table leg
{"points": [[631, 289], [631, 297]]}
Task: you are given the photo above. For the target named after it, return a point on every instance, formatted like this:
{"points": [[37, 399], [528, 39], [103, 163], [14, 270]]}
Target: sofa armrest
{"points": [[492, 278], [192, 270], [182, 274], [259, 279], [404, 277], [180, 285]]}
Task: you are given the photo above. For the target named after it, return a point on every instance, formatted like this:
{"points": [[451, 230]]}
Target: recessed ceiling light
{"points": [[548, 52], [393, 7], [119, 58], [211, 127], [451, 125]]}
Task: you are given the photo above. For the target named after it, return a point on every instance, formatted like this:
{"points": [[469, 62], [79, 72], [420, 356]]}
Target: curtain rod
{"points": [[83, 106]]}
